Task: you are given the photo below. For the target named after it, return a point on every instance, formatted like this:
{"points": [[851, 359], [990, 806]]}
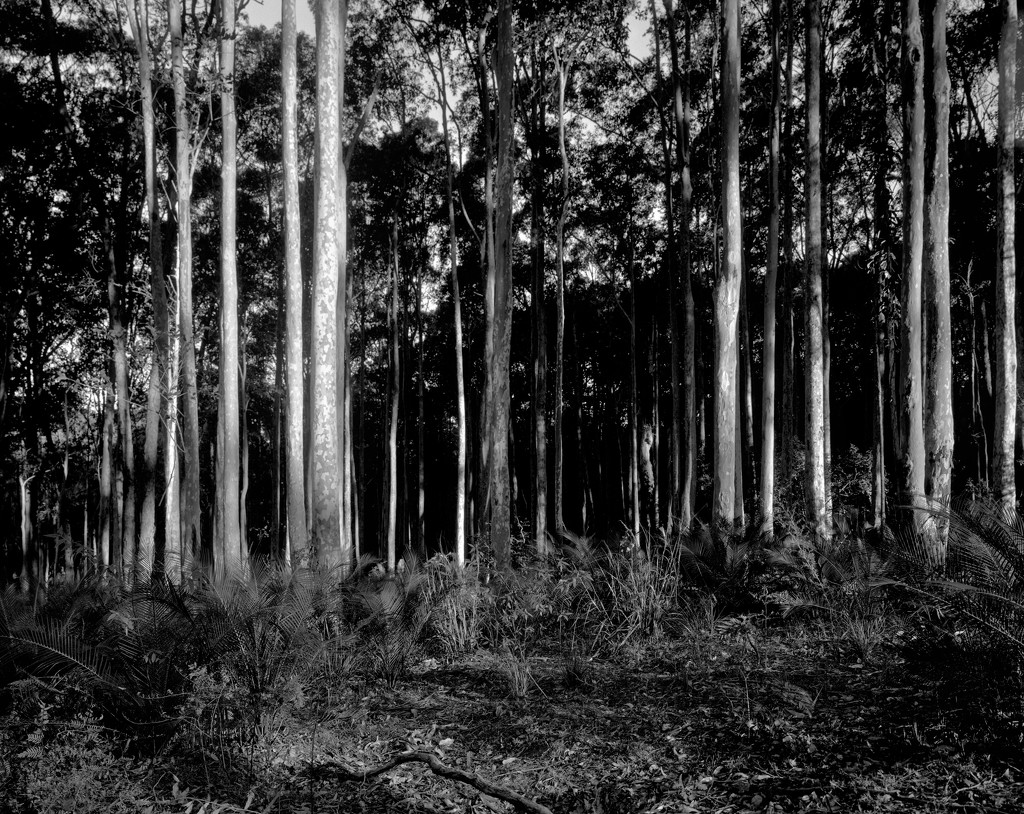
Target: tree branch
{"points": [[342, 772]]}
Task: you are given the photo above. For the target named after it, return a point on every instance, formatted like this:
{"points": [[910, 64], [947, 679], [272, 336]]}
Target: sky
{"points": [[268, 13]]}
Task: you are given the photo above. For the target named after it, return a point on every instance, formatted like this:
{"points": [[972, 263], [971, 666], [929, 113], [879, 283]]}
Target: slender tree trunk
{"points": [[539, 310], [293, 291], [487, 251], [788, 435], [882, 246], [727, 286], [138, 19], [107, 517], [939, 369], [813, 306], [460, 381], [228, 536], [911, 374], [173, 555], [688, 417], [1003, 481], [191, 511], [675, 430], [342, 556], [325, 452], [499, 421], [396, 387], [767, 496], [562, 68]]}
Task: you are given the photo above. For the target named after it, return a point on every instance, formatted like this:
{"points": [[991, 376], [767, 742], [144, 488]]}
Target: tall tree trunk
{"points": [[296, 502], [767, 496], [882, 248], [324, 453], [787, 426], [191, 510], [813, 306], [727, 286], [460, 381], [675, 429], [228, 551], [499, 420], [1003, 481], [911, 345], [396, 388], [562, 68], [488, 261], [138, 19], [539, 310], [939, 363], [173, 555], [343, 554], [688, 417]]}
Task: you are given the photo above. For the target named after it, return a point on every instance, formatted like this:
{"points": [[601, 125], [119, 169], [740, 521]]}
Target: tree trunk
{"points": [[939, 359], [562, 67], [882, 248], [488, 260], [396, 388], [1003, 481], [767, 496], [293, 290], [227, 538], [191, 510], [324, 453], [460, 381], [727, 287], [540, 349], [499, 420], [787, 426], [688, 417], [813, 306], [911, 398]]}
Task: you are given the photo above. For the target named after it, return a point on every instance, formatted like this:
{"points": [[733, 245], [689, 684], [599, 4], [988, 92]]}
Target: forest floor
{"points": [[747, 719]]}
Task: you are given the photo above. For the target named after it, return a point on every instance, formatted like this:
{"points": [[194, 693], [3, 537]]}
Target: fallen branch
{"points": [[517, 800]]}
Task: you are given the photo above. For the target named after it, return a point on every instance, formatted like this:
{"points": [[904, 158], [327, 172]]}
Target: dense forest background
{"points": [[686, 284]]}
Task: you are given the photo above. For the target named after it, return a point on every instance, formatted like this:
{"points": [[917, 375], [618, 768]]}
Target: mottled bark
{"points": [[727, 286], [325, 475], [787, 424], [911, 383], [295, 412], [939, 355], [1003, 481], [499, 419], [814, 484]]}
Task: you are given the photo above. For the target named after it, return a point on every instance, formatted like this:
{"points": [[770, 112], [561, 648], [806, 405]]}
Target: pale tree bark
{"points": [[813, 307], [767, 497], [499, 420], [787, 425], [675, 428], [687, 418], [296, 502], [172, 474], [190, 494], [562, 67], [325, 452], [939, 358], [107, 515], [1003, 482], [396, 389], [460, 380], [229, 550], [161, 329], [727, 287], [882, 248], [911, 397], [538, 122]]}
